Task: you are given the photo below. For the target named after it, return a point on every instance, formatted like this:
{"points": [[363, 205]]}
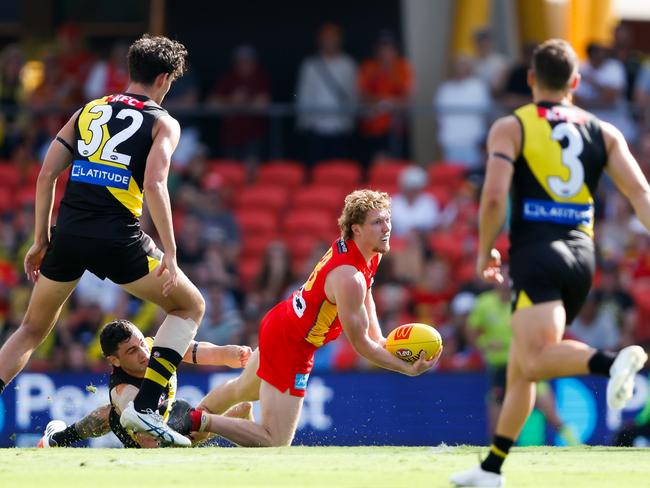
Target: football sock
{"points": [[162, 365], [2, 386], [66, 437], [601, 362], [498, 453], [169, 346]]}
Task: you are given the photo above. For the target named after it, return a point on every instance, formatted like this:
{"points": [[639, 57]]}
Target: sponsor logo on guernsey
{"points": [[341, 246], [301, 381], [100, 174], [130, 101], [558, 213]]}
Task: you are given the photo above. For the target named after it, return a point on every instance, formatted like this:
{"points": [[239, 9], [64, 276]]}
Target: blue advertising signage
{"points": [[372, 408]]}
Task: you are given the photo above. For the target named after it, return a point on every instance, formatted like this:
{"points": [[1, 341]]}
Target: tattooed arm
{"points": [[95, 424]]}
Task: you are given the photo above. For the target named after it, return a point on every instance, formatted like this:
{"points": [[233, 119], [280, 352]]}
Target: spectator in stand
{"points": [[642, 96], [459, 354], [412, 207], [409, 256], [243, 90], [222, 322], [516, 91], [602, 90], [615, 303], [385, 86], [327, 98], [183, 96], [631, 59], [489, 65], [274, 277], [614, 237], [191, 244], [595, 328], [110, 75], [12, 93], [74, 61], [461, 103]]}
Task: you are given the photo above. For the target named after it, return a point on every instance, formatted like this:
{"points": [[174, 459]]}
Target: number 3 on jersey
{"points": [[97, 129], [571, 159]]}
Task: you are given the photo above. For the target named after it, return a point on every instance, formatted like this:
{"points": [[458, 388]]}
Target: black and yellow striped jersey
{"points": [[555, 177], [104, 195]]}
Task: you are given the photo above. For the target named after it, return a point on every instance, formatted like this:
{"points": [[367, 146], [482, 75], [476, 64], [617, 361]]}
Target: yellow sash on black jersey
{"points": [[566, 198], [126, 190]]}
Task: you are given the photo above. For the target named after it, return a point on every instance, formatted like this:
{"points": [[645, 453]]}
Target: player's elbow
{"points": [[154, 185]]}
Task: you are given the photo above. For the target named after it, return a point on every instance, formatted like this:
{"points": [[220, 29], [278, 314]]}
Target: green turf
{"points": [[336, 467]]}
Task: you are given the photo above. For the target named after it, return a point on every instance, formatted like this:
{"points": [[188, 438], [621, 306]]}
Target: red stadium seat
{"points": [[384, 175], [257, 222], [9, 174], [232, 172], [640, 291], [320, 224], [343, 172], [248, 269], [256, 244], [33, 172], [328, 198], [450, 175], [6, 198], [281, 172], [442, 194], [265, 196]]}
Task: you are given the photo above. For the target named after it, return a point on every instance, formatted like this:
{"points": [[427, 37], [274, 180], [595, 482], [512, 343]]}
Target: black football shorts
{"points": [[120, 260], [553, 270]]}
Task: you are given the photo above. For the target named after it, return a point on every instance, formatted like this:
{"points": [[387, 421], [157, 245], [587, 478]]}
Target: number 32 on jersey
{"points": [[95, 135]]}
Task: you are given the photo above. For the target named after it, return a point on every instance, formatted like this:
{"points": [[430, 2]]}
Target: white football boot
{"points": [[620, 386], [152, 423], [477, 476], [52, 427]]}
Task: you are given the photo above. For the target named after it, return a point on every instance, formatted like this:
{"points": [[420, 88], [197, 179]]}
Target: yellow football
{"points": [[406, 341]]}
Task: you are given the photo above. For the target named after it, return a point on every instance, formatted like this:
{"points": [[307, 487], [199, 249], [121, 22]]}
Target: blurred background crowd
{"points": [[258, 180]]}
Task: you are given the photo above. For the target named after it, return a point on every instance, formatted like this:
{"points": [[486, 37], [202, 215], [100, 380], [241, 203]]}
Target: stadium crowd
{"points": [[250, 230]]}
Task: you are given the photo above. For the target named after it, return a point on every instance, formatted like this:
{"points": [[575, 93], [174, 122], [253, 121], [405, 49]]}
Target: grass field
{"points": [[339, 467]]}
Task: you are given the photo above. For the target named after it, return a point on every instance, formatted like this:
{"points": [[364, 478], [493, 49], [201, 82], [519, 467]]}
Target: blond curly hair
{"points": [[356, 207]]}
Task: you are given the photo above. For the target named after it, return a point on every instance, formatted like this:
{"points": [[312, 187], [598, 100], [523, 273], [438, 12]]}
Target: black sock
{"points": [[600, 362], [162, 365], [67, 437], [498, 452], [2, 386]]}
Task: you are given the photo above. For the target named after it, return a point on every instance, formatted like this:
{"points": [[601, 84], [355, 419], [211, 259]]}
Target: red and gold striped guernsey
{"points": [[316, 319]]}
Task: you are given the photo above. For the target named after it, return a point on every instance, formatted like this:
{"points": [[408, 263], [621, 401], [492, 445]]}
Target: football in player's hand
{"points": [[406, 341]]}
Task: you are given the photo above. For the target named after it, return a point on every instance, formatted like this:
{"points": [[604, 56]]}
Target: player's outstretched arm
{"points": [[349, 290], [626, 174], [503, 148], [208, 354], [57, 159], [166, 134], [374, 329], [95, 424]]}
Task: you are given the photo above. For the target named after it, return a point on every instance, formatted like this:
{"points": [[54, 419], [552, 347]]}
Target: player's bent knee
{"points": [[531, 371], [31, 333]]}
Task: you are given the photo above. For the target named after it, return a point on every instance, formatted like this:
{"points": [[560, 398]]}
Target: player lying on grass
{"points": [[128, 351], [337, 297]]}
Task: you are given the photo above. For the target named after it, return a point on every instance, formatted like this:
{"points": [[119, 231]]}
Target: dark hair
{"points": [[150, 56], [554, 62], [113, 334]]}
